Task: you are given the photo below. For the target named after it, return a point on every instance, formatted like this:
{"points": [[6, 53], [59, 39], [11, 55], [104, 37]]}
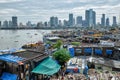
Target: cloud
{"points": [[31, 9], [9, 1], [8, 11]]}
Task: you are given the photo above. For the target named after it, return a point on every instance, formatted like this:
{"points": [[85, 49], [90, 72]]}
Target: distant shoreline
{"points": [[39, 28]]}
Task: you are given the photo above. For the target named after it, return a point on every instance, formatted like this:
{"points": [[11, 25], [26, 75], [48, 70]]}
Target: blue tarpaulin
{"points": [[98, 51], [8, 76], [72, 52], [73, 71], [109, 52], [90, 32], [9, 51], [85, 71], [88, 50], [10, 58]]}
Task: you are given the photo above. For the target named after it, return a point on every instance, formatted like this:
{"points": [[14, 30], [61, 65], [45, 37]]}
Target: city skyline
{"points": [[38, 10]]}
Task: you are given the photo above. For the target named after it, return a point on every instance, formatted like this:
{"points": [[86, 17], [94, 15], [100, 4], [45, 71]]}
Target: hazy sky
{"points": [[41, 10]]}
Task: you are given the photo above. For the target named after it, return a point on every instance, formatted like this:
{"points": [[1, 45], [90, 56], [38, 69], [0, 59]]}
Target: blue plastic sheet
{"points": [[88, 50], [9, 51], [72, 71], [72, 52], [98, 51], [90, 32], [85, 71], [109, 52], [10, 58], [8, 76]]}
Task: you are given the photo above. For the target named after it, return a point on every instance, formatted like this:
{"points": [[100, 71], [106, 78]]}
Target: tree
{"points": [[58, 44], [62, 56]]}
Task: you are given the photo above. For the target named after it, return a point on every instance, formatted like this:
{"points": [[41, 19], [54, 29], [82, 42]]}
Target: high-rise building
{"points": [[60, 23], [56, 21], [107, 22], [10, 24], [84, 23], [94, 18], [103, 20], [66, 23], [71, 20], [5, 24], [28, 24], [79, 20], [0, 24], [53, 21], [39, 25], [14, 22], [46, 24], [114, 21], [90, 17]]}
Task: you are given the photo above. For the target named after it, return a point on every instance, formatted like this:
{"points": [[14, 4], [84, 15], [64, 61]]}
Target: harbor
{"points": [[90, 58]]}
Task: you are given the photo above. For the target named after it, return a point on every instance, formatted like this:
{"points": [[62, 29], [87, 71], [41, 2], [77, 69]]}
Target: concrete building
{"points": [[46, 24], [66, 23], [28, 24], [14, 22], [5, 24], [0, 24], [53, 21], [103, 20], [71, 20], [107, 22], [79, 21], [114, 21], [10, 24], [90, 17]]}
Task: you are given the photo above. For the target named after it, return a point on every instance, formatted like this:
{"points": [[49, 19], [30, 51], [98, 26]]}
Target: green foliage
{"points": [[75, 43], [62, 55], [48, 42], [58, 44]]}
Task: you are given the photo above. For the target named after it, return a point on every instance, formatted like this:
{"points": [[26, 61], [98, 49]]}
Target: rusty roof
{"points": [[30, 55]]}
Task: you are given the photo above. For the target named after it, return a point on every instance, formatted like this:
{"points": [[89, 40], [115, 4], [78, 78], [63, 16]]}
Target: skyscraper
{"points": [[79, 20], [46, 24], [103, 20], [5, 24], [107, 22], [60, 23], [14, 22], [94, 18], [90, 17], [10, 24], [0, 24], [53, 21], [56, 21], [114, 21], [28, 24], [71, 20], [66, 23]]}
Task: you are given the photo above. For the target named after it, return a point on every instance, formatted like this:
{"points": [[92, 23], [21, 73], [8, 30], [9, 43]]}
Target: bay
{"points": [[16, 38]]}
